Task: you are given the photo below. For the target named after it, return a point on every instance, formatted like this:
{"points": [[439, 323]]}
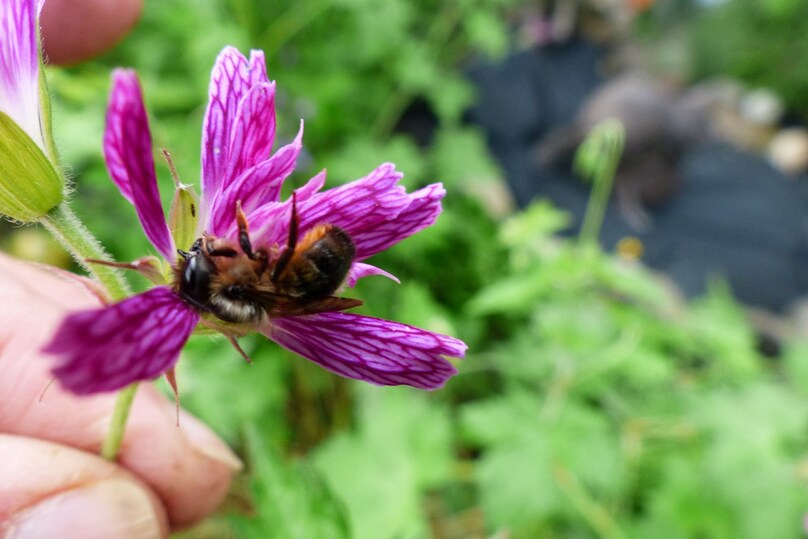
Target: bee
{"points": [[237, 282]]}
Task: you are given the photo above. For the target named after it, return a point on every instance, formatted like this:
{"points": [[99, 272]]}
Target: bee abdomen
{"points": [[323, 265]]}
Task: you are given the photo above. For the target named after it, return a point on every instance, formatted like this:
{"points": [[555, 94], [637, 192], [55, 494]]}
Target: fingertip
{"points": [[50, 490], [110, 508], [207, 443], [77, 30], [188, 466]]}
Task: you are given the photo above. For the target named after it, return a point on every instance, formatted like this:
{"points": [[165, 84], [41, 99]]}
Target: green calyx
{"points": [[183, 216], [30, 186]]}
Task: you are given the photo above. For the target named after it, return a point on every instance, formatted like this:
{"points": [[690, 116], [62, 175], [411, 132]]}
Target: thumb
{"points": [[50, 490]]}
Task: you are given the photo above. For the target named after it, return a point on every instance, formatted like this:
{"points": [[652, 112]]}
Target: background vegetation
{"points": [[594, 402]]}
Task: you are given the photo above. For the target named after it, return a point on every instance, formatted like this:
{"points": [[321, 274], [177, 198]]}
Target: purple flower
{"points": [[336, 230], [30, 185], [19, 66]]}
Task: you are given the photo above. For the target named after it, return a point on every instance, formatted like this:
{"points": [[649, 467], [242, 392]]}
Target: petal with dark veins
{"points": [[377, 351], [128, 154], [136, 339]]}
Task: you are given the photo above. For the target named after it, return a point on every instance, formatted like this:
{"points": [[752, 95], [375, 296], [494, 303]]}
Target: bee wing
{"points": [[298, 307], [281, 305]]}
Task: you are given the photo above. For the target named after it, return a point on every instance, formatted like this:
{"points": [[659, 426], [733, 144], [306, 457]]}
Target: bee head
{"points": [[195, 275]]}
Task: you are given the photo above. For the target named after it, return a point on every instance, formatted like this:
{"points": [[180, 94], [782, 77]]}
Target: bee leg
{"points": [[239, 349], [210, 248], [243, 232], [291, 243]]}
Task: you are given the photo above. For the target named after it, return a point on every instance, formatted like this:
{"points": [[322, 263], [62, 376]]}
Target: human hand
{"points": [[52, 484], [77, 30]]}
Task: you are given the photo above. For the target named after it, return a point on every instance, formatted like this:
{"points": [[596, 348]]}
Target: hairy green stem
{"points": [[117, 424], [82, 245]]}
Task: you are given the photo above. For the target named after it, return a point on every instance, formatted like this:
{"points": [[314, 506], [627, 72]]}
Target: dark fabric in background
{"points": [[736, 216]]}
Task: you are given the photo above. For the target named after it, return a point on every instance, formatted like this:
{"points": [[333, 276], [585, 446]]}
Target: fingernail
{"points": [[110, 508], [207, 443]]}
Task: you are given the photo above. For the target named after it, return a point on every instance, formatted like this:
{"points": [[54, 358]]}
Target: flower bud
{"points": [[182, 217], [29, 184]]}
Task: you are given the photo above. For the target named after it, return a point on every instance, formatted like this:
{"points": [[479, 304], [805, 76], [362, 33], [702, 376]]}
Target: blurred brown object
{"points": [[77, 30], [660, 121]]}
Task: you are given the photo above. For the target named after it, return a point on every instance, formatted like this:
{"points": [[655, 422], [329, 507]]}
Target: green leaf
{"points": [[220, 388], [515, 294], [460, 158], [486, 32], [539, 219], [291, 501], [402, 446]]}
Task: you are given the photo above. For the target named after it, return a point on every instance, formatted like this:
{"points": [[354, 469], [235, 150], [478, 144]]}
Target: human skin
{"points": [[77, 30], [52, 483], [166, 476]]}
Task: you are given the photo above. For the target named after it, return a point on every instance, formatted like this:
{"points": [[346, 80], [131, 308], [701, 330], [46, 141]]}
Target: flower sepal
{"points": [[29, 184], [150, 267], [183, 216]]}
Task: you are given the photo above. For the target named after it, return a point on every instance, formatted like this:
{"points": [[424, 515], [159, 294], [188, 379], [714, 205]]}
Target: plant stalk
{"points": [[82, 245], [117, 424]]}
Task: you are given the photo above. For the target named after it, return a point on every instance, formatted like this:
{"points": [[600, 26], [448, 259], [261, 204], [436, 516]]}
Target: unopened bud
{"points": [[29, 184]]}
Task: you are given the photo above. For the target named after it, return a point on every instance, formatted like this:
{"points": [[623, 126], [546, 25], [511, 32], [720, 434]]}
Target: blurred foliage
{"points": [[594, 401], [758, 43]]}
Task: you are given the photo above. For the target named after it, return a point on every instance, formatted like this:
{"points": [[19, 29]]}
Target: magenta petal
{"points": [[256, 186], [128, 153], [376, 211], [422, 211], [253, 131], [229, 82], [19, 65], [258, 67], [311, 187], [109, 348], [360, 269], [360, 204], [376, 351]]}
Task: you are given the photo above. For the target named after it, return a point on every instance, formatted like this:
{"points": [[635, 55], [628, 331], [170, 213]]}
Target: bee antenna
{"points": [[183, 254]]}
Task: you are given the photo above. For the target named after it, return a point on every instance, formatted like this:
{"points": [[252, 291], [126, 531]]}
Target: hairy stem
{"points": [[117, 425], [82, 245]]}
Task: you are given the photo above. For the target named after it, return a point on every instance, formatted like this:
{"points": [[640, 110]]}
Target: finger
{"points": [[187, 466], [49, 490], [77, 30]]}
